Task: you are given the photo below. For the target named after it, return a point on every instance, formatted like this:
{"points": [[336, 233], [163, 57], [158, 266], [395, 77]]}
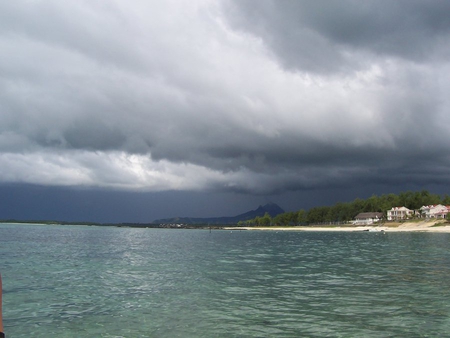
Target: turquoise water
{"points": [[79, 281]]}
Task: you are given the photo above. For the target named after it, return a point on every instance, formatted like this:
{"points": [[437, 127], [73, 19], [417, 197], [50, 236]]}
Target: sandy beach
{"points": [[424, 226]]}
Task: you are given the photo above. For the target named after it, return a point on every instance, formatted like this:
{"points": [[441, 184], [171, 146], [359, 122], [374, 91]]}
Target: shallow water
{"points": [[79, 281]]}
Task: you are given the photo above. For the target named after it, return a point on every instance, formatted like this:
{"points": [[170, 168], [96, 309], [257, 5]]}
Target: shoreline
{"points": [[435, 226], [425, 226]]}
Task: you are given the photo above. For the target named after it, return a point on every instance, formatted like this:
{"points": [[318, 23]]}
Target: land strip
{"points": [[413, 226]]}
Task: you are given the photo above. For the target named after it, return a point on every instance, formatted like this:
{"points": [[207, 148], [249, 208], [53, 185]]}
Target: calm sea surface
{"points": [[80, 281]]}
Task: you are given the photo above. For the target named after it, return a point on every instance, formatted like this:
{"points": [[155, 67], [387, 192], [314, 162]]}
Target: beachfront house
{"points": [[435, 211], [398, 213], [366, 218]]}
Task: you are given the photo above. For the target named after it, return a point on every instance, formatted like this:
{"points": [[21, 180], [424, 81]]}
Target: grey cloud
{"points": [[330, 36], [96, 30], [94, 136], [193, 94]]}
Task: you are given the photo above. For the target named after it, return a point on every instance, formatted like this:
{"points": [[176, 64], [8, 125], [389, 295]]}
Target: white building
{"points": [[397, 213], [366, 218], [435, 211]]}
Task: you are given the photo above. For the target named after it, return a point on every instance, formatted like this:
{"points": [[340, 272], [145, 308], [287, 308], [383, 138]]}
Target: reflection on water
{"points": [[75, 281]]}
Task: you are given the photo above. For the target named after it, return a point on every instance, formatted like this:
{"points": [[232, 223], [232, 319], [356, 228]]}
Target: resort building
{"points": [[398, 213], [435, 211], [366, 218]]}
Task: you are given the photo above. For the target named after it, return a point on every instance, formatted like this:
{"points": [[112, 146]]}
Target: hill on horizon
{"points": [[271, 208]]}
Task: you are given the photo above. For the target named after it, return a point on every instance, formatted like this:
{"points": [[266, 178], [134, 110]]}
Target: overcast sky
{"points": [[214, 107]]}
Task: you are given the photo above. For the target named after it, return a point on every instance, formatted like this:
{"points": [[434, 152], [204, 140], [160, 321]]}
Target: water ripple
{"points": [[74, 281]]}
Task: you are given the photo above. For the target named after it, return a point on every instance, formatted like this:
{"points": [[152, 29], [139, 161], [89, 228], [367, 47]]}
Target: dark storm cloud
{"points": [[247, 96], [324, 36]]}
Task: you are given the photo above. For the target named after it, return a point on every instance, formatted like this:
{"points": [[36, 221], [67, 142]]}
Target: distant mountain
{"points": [[271, 208]]}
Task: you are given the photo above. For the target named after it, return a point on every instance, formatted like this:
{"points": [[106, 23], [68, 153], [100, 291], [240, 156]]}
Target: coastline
{"points": [[437, 226]]}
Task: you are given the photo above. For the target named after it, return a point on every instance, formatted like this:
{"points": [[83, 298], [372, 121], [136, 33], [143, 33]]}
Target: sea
{"points": [[93, 281]]}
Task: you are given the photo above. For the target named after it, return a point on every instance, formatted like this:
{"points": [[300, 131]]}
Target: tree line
{"points": [[345, 212]]}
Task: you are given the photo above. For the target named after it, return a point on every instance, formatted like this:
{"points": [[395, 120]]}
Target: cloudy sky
{"points": [[131, 110]]}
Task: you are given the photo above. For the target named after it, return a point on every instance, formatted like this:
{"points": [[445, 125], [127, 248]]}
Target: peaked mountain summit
{"points": [[271, 208]]}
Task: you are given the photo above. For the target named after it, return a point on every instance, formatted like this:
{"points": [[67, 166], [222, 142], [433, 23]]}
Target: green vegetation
{"points": [[441, 224], [345, 212]]}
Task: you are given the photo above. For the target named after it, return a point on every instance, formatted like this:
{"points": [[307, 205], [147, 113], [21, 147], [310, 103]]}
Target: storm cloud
{"points": [[251, 96]]}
